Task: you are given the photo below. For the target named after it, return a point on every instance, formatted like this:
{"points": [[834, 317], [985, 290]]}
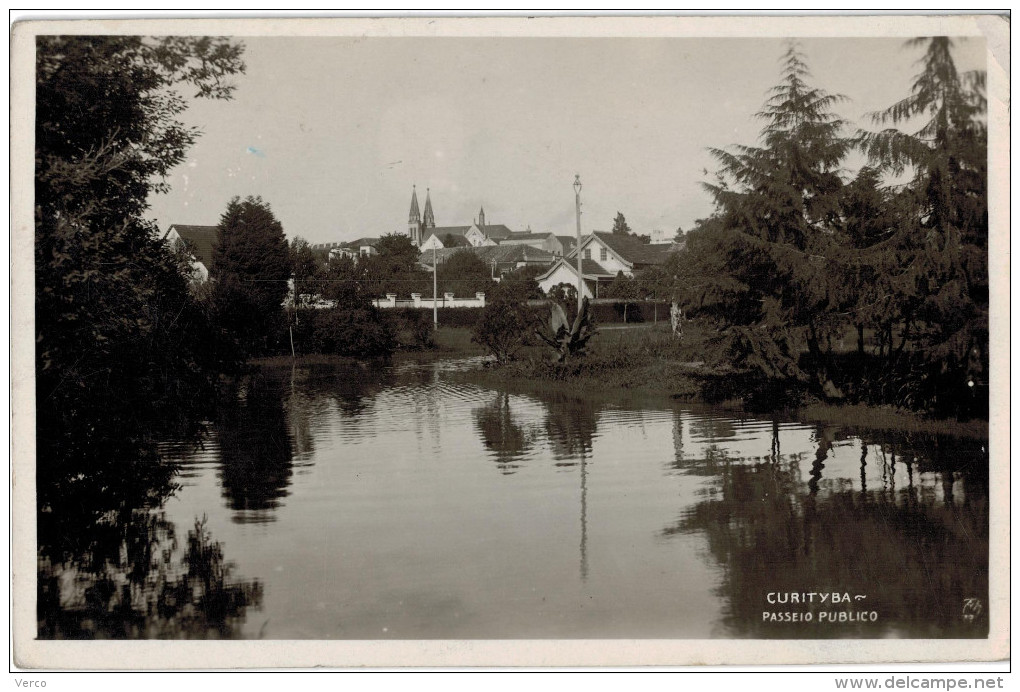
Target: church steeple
{"points": [[430, 219], [414, 218], [415, 215], [481, 217]]}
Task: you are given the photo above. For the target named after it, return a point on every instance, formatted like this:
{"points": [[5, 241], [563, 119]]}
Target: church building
{"points": [[426, 235]]}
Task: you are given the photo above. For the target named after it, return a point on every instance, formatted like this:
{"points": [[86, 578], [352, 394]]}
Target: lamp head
{"points": [[577, 184]]}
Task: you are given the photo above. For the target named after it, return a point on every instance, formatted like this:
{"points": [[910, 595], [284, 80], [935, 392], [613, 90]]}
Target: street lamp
{"points": [[580, 277]]}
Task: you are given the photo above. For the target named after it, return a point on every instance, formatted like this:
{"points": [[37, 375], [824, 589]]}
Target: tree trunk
{"points": [[860, 339]]}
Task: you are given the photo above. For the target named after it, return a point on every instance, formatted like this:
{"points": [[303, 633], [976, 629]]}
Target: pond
{"points": [[340, 502]]}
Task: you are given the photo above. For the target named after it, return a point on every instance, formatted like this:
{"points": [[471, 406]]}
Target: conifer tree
{"points": [[772, 265], [940, 277], [251, 266]]}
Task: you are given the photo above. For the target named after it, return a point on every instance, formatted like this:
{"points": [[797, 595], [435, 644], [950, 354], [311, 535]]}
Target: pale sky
{"points": [[333, 132]]}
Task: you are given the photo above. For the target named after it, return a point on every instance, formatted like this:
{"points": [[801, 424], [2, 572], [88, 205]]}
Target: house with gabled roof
{"points": [[621, 253], [564, 271], [199, 242], [550, 242]]}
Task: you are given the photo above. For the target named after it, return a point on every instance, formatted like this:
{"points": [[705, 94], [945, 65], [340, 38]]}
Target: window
{"points": [[587, 254], [603, 255]]}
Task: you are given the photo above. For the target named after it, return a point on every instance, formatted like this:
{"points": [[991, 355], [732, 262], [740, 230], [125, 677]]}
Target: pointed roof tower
{"points": [[481, 216], [430, 220], [415, 215]]}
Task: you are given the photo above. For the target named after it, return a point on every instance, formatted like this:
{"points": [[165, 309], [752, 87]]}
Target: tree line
{"points": [[858, 287]]}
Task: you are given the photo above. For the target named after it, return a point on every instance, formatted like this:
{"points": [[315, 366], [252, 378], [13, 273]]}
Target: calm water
{"points": [[330, 502]]}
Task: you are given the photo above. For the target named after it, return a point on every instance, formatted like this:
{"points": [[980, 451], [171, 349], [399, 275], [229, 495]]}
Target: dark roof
{"points": [[441, 231], [527, 236], [568, 242], [632, 249], [362, 242], [500, 254], [200, 241], [496, 231], [588, 268]]}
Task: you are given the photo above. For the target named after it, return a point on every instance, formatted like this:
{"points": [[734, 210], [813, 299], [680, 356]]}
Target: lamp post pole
{"points": [[580, 277], [435, 297]]}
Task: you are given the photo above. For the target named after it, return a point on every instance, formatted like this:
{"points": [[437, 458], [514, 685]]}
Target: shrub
{"points": [[504, 322]]}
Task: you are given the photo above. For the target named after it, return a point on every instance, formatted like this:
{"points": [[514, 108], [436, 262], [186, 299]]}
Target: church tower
{"points": [[414, 219], [481, 217], [430, 219]]}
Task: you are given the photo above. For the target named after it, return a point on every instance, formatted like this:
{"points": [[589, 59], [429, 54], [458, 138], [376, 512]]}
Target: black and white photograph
{"points": [[566, 331]]}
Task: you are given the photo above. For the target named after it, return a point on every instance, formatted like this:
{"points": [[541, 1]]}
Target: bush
{"points": [[416, 329], [503, 327], [358, 332]]}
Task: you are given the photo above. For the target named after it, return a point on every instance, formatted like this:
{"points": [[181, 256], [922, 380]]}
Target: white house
{"points": [[198, 241], [617, 253], [564, 271]]}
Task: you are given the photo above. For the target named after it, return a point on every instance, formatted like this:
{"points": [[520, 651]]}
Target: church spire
{"points": [[414, 219], [430, 219], [481, 217], [414, 216]]}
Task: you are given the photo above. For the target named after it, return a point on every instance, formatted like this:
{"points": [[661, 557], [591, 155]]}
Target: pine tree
{"points": [[620, 226], [771, 267], [941, 278]]}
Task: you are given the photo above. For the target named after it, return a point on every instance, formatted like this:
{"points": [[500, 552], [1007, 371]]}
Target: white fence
{"points": [[447, 301]]}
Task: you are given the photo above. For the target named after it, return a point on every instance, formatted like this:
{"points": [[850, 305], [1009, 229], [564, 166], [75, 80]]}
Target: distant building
{"points": [[354, 249], [550, 242], [500, 258], [622, 253], [425, 234], [199, 242], [603, 257], [661, 237]]}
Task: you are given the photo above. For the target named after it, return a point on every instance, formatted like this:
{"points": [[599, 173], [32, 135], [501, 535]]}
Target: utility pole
{"points": [[580, 276], [435, 297]]}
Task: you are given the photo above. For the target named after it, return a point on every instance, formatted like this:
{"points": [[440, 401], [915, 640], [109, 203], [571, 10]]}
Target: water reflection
{"points": [[501, 433], [111, 565], [403, 502], [917, 553], [570, 427], [255, 449]]}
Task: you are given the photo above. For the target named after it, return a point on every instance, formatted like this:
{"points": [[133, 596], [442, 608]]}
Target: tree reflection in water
{"points": [[570, 427], [110, 564], [917, 552], [255, 449], [501, 434]]}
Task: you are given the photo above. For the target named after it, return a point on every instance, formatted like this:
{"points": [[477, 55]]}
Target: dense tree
{"points": [[251, 268], [620, 226], [395, 268], [940, 283], [464, 273], [505, 322], [771, 267], [308, 270], [122, 348], [625, 289]]}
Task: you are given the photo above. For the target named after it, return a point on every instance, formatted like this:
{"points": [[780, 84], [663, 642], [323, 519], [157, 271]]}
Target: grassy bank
{"points": [[645, 362]]}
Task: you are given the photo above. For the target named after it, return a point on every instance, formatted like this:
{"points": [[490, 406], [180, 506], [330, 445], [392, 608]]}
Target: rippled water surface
{"points": [[336, 502]]}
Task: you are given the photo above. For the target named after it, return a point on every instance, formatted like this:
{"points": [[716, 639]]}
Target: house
{"points": [[199, 241], [501, 258], [621, 253], [564, 271], [550, 242], [354, 249]]}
